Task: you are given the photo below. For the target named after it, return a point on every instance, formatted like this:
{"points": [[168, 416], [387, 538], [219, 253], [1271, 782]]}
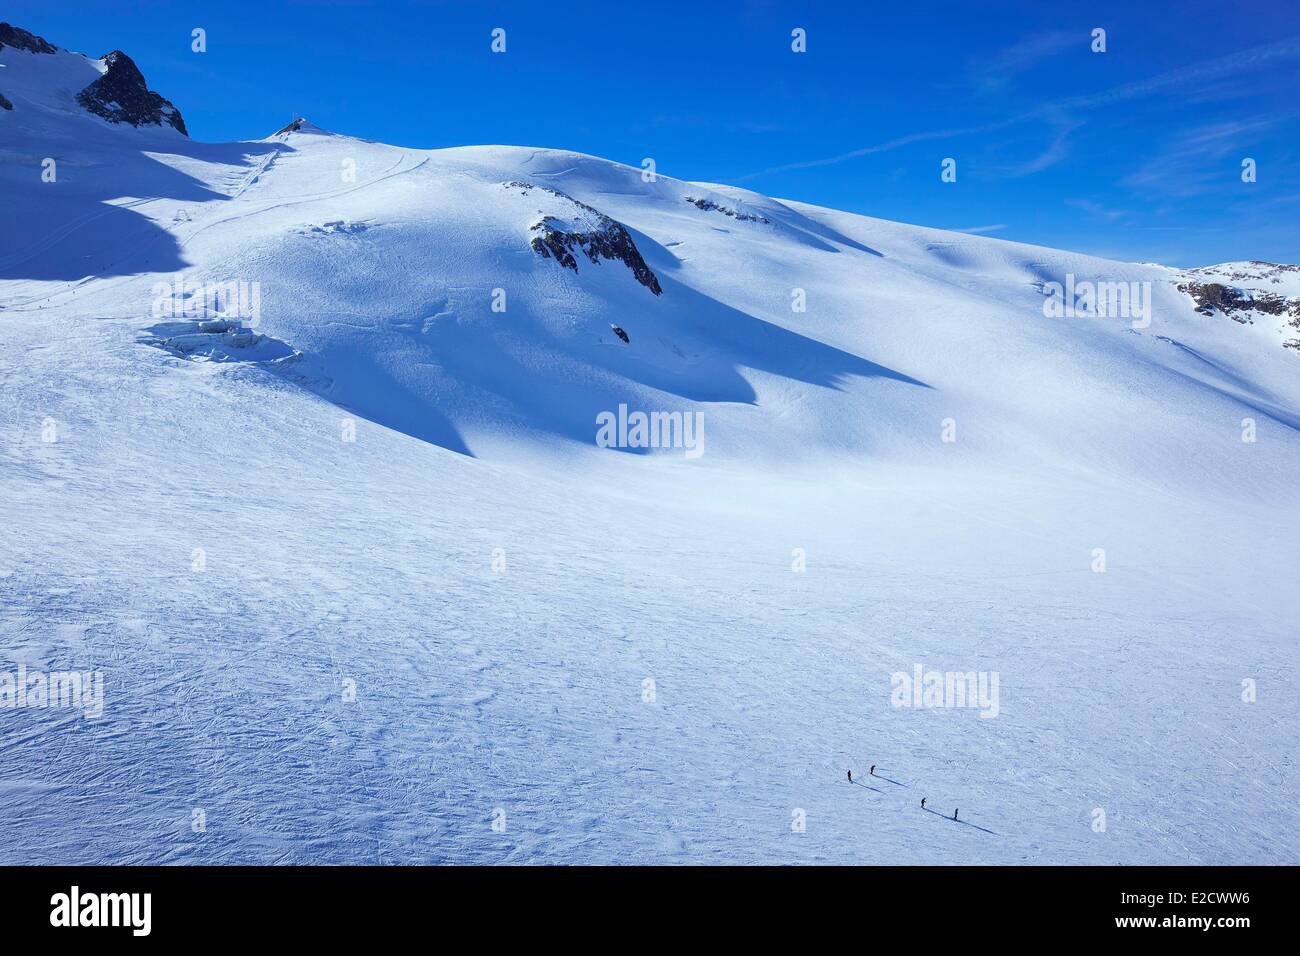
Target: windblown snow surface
{"points": [[317, 649]]}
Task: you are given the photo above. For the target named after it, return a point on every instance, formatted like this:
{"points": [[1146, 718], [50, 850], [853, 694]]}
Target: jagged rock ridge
{"points": [[20, 39], [606, 239]]}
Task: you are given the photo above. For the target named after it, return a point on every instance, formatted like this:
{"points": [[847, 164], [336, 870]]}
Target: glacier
{"points": [[364, 587]]}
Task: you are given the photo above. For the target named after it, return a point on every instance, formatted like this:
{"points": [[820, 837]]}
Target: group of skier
{"points": [[872, 773]]}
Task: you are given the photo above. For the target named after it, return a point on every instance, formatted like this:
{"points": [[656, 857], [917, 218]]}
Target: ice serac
{"points": [[122, 96]]}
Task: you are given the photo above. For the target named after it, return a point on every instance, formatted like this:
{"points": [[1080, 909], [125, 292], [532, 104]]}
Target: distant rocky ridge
{"points": [[1255, 270], [120, 95], [708, 205]]}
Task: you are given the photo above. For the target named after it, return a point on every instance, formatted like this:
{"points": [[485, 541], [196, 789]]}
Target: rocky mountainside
{"points": [[115, 90]]}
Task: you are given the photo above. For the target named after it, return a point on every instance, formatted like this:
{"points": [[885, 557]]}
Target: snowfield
{"points": [[363, 587]]}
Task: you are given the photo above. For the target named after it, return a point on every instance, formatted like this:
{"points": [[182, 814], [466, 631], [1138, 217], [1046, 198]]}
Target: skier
{"points": [[923, 803], [872, 771], [954, 814], [850, 776]]}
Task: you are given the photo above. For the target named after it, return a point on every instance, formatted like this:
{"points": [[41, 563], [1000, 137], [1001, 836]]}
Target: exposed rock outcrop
{"points": [[1247, 302], [591, 232], [121, 96], [1211, 297], [708, 205], [4, 103]]}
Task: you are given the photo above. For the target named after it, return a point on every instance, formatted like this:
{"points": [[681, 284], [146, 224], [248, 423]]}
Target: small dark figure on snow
{"points": [[850, 776], [954, 814], [872, 771], [923, 803]]}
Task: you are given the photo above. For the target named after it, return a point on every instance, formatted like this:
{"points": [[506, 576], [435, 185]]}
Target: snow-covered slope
{"points": [[367, 458]]}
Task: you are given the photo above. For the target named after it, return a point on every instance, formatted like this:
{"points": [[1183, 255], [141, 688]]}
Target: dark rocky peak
{"points": [[20, 39], [122, 96]]}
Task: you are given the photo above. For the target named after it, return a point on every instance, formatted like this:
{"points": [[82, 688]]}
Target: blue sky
{"points": [[1134, 153]]}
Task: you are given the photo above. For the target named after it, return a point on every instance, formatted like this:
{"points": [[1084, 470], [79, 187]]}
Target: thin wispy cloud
{"points": [[1097, 210], [994, 74], [1190, 164], [878, 148], [1056, 151], [1184, 79]]}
